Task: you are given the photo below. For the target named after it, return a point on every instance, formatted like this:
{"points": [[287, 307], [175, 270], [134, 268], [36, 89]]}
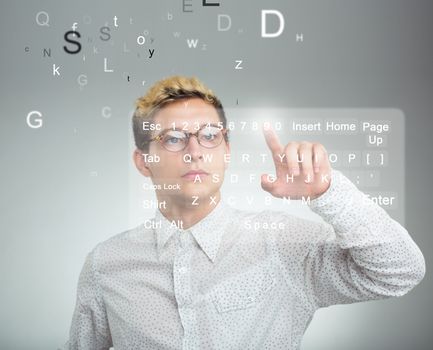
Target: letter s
{"points": [[71, 32], [105, 33]]}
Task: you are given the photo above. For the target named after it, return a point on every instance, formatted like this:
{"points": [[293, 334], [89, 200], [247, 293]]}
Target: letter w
{"points": [[192, 42]]}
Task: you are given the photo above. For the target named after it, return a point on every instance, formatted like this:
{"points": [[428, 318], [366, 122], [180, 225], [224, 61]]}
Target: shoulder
{"points": [[122, 244]]}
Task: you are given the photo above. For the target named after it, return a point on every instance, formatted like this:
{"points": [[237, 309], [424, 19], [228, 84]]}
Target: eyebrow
{"points": [[180, 129]]}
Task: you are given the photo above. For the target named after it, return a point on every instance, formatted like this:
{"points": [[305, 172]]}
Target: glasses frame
{"points": [[161, 135]]}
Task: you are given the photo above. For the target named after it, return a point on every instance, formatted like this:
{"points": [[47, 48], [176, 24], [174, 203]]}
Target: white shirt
{"points": [[222, 284]]}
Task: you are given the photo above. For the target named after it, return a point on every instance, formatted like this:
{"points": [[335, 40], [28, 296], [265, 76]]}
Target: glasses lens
{"points": [[210, 136], [174, 140]]}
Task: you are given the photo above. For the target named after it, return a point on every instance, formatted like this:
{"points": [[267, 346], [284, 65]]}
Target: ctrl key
{"points": [[387, 200]]}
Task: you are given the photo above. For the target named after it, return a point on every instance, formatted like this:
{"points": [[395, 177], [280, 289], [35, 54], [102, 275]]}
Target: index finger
{"points": [[272, 141]]}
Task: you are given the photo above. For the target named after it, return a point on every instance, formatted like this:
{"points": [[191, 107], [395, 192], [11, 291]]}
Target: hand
{"points": [[308, 176]]}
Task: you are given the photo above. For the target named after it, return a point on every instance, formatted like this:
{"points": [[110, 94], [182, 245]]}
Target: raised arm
{"points": [[360, 253]]}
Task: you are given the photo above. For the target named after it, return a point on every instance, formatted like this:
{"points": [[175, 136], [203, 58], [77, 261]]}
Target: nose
{"points": [[194, 148]]}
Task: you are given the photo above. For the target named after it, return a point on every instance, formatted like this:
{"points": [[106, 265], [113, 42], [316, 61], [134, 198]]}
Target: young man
{"points": [[197, 276]]}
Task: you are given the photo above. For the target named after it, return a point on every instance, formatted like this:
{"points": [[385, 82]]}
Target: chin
{"points": [[201, 191]]}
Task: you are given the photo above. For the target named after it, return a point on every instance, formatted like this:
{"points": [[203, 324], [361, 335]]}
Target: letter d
{"points": [[280, 30]]}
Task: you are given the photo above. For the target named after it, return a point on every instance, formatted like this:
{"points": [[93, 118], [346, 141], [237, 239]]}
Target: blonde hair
{"points": [[167, 91]]}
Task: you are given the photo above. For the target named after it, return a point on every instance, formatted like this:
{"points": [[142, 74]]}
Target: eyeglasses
{"points": [[208, 136]]}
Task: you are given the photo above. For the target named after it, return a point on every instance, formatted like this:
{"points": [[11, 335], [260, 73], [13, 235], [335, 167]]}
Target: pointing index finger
{"points": [[272, 141], [276, 148]]}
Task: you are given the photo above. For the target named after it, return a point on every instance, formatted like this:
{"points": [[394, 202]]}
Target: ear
{"points": [[141, 165]]}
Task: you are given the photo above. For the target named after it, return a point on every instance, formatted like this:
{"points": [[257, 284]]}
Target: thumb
{"points": [[265, 183]]}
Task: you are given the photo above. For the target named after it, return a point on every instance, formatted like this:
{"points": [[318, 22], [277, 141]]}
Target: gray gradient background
{"points": [[363, 54]]}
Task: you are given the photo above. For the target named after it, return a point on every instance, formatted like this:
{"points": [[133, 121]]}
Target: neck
{"points": [[189, 214]]}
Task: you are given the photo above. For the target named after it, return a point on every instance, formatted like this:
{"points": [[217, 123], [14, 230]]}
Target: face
{"points": [[167, 169]]}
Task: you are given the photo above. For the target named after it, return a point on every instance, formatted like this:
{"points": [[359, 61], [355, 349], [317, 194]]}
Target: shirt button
{"points": [[183, 270]]}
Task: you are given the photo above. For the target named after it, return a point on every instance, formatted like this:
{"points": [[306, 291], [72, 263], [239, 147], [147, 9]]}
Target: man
{"points": [[197, 276]]}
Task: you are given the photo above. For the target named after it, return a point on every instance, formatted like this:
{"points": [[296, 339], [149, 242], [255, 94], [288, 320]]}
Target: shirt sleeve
{"points": [[89, 328], [360, 253]]}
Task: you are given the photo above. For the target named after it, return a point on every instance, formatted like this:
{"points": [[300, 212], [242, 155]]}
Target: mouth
{"points": [[191, 175]]}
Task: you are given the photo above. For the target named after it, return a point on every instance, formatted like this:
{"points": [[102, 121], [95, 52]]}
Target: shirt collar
{"points": [[207, 232]]}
